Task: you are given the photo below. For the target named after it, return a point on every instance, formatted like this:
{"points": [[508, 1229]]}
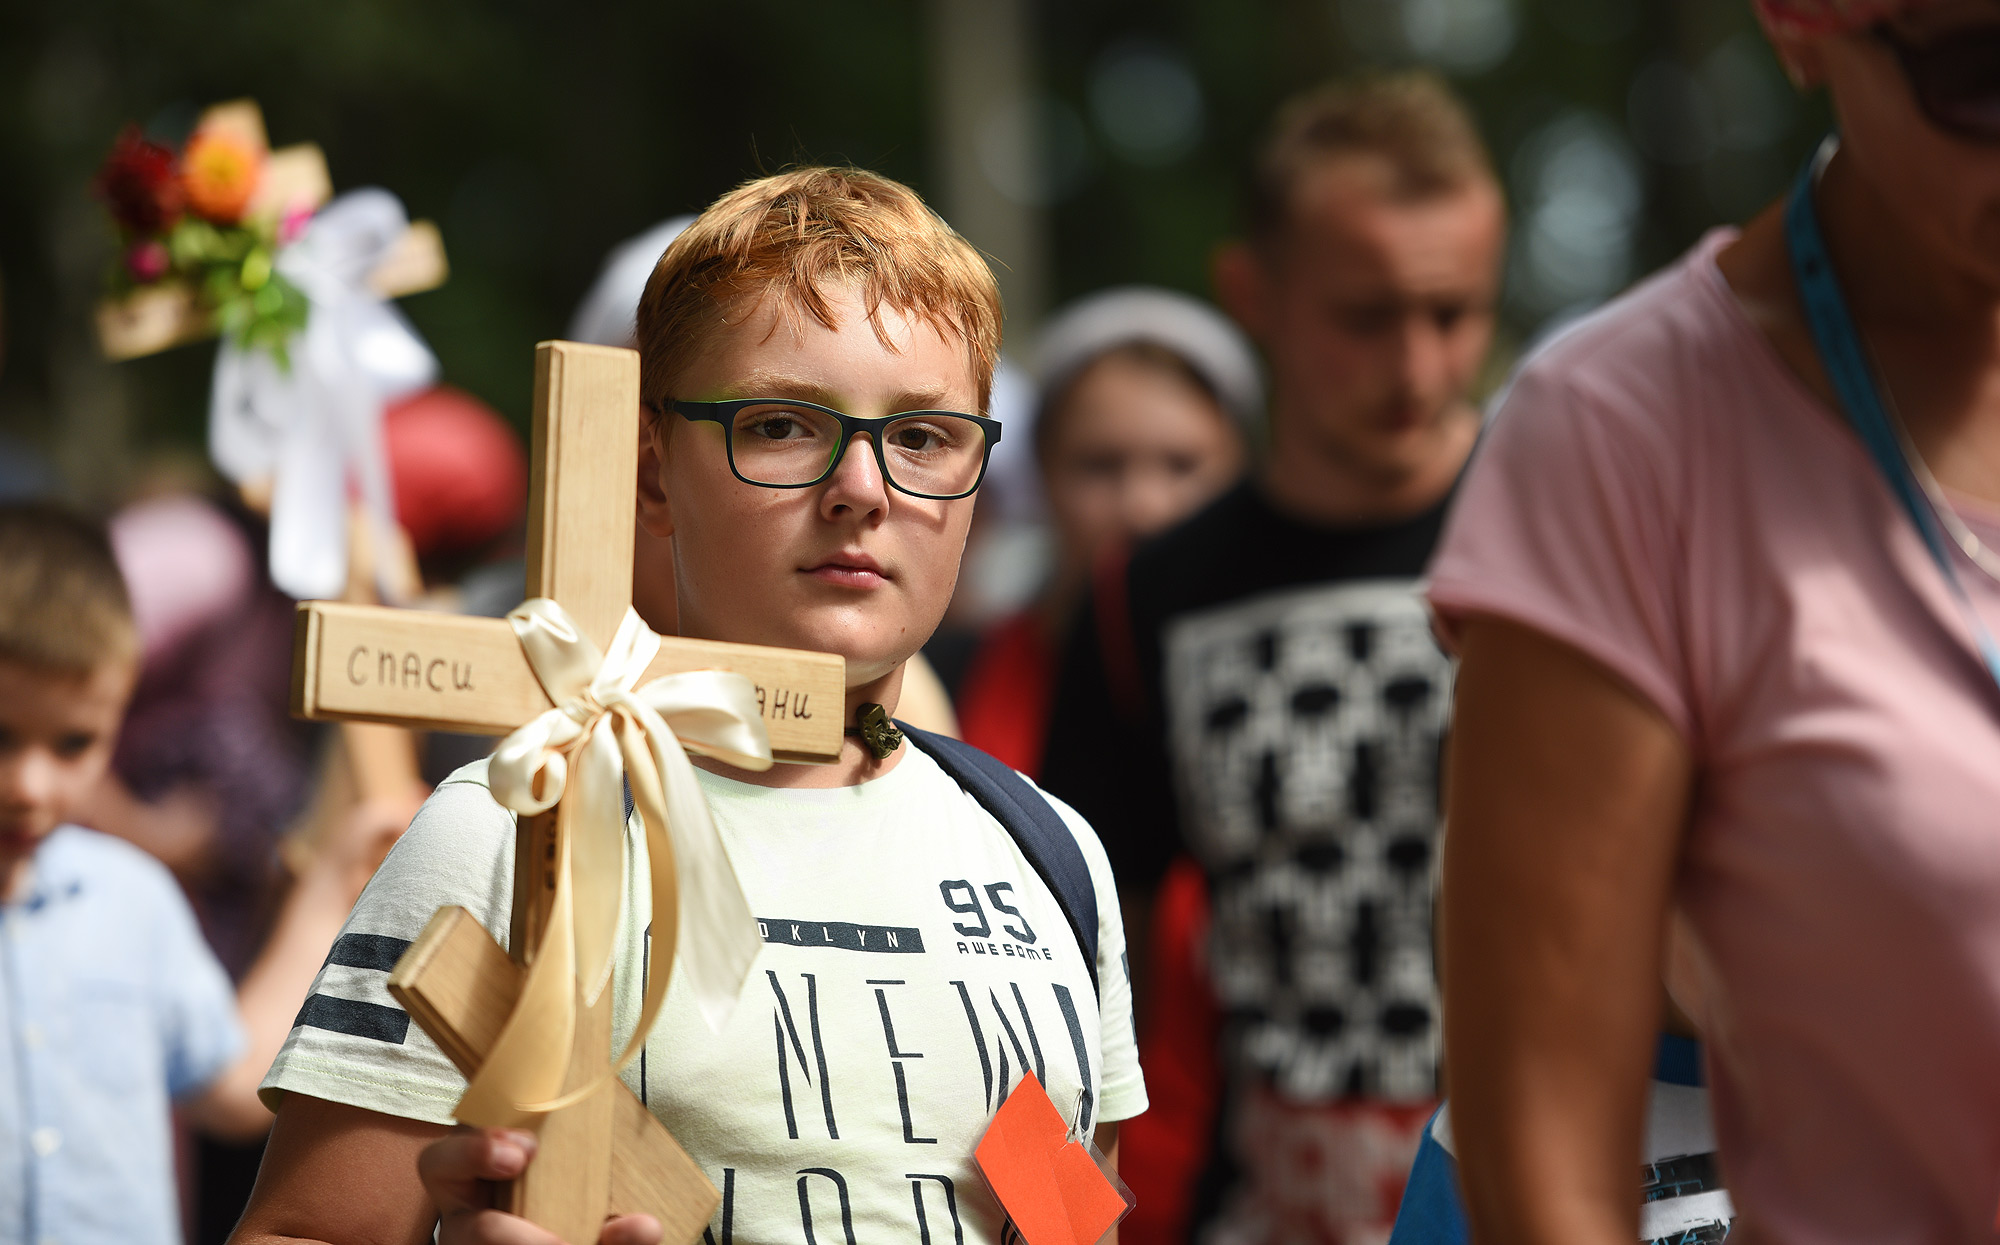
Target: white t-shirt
{"points": [[914, 965]]}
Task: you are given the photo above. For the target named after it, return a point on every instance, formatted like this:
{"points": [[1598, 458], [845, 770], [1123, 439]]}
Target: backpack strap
{"points": [[1037, 829]]}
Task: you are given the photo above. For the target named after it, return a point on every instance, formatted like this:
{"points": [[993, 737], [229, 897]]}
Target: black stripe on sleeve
{"points": [[377, 951], [362, 1020]]}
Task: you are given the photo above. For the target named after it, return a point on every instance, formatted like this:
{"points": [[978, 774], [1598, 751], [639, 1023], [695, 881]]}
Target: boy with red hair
{"points": [[821, 317]]}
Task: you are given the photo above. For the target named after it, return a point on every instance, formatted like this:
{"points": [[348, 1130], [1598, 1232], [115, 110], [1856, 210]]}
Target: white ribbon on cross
{"points": [[572, 757], [312, 428]]}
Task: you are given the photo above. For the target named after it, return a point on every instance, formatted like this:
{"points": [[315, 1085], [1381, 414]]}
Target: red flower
{"points": [[139, 184]]}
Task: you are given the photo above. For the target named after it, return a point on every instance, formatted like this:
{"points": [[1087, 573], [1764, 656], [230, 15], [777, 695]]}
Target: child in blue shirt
{"points": [[112, 1008]]}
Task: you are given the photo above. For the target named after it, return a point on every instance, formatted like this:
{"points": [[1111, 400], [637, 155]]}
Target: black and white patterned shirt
{"points": [[1272, 703]]}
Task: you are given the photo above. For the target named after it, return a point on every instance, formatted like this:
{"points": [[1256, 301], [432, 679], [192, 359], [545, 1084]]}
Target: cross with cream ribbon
{"points": [[589, 700]]}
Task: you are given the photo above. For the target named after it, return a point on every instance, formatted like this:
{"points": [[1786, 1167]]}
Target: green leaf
{"points": [[256, 269]]}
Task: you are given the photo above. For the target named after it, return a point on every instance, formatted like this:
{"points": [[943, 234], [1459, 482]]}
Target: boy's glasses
{"points": [[783, 443], [1955, 78]]}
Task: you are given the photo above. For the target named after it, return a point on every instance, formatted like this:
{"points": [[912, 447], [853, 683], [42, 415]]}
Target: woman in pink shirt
{"points": [[1724, 584]]}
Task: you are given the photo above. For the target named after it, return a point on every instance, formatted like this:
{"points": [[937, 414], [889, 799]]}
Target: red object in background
{"points": [[140, 184], [459, 473], [1003, 701], [1163, 1153]]}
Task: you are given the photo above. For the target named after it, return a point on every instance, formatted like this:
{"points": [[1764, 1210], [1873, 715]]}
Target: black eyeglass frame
{"points": [[725, 412], [1918, 62]]}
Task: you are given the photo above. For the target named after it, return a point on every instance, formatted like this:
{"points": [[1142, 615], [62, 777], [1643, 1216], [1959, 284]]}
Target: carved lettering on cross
{"points": [[606, 1154]]}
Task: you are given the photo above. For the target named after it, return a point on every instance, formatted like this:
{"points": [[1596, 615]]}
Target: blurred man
{"points": [[1259, 687]]}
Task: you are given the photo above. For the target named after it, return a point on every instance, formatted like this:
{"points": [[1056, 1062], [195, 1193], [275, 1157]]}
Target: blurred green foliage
{"points": [[539, 135], [536, 135]]}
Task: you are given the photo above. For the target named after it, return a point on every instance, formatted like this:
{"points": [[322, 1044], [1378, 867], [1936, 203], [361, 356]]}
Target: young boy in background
{"points": [[112, 1008]]}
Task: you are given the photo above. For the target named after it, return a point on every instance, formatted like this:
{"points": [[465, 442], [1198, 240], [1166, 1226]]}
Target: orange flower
{"points": [[220, 172]]}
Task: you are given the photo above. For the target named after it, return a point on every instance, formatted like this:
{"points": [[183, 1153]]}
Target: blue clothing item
{"points": [[1677, 1061], [1431, 1213], [111, 1005]]}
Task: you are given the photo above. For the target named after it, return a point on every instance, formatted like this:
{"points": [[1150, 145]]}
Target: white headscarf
{"points": [[608, 314], [1202, 337]]}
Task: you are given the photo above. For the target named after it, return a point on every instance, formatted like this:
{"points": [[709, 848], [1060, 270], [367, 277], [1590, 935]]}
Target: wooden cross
{"points": [[373, 762], [606, 1154]]}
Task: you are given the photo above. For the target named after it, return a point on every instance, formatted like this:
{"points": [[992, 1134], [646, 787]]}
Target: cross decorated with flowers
{"points": [[199, 229]]}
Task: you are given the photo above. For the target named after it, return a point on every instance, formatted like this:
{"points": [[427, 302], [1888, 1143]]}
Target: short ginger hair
{"points": [[1411, 120], [63, 606], [793, 236]]}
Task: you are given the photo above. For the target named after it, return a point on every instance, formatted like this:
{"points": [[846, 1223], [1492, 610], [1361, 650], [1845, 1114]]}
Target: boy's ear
{"points": [[656, 512]]}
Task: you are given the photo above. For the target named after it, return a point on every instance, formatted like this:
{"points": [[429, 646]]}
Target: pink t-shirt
{"points": [[1659, 491]]}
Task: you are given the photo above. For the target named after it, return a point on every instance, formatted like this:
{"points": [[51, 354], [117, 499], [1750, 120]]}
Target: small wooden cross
{"points": [[606, 1154]]}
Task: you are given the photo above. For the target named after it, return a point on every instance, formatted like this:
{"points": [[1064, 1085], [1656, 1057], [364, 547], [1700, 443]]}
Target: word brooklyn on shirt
{"points": [[914, 966]]}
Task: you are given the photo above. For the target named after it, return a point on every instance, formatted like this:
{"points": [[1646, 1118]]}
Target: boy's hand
{"points": [[454, 1171]]}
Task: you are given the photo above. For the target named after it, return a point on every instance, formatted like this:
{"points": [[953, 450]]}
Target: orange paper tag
{"points": [[1049, 1184]]}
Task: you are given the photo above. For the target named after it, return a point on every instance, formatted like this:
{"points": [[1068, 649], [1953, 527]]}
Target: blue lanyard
{"points": [[1853, 381]]}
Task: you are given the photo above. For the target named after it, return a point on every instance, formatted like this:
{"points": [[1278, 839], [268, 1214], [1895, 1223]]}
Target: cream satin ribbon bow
{"points": [[600, 730]]}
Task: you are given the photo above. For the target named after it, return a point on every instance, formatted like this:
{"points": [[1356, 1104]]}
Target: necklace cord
{"points": [[1861, 399]]}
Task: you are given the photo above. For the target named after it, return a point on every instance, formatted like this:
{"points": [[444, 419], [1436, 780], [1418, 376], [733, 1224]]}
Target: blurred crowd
{"points": [[1723, 768]]}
